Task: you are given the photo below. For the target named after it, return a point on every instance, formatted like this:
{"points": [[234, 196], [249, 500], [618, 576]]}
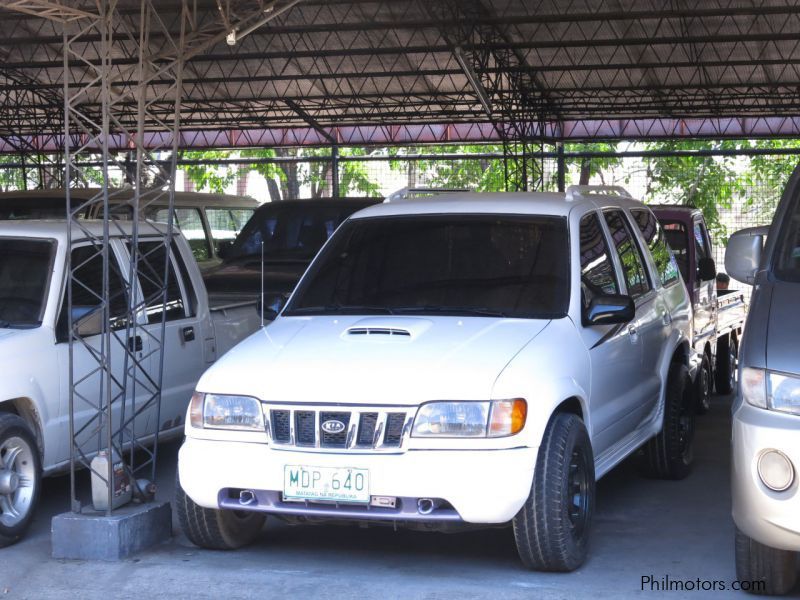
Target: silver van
{"points": [[766, 413], [206, 220]]}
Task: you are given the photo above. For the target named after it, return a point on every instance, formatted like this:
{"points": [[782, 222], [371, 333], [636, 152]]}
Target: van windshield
{"points": [[788, 263], [482, 265], [24, 277]]}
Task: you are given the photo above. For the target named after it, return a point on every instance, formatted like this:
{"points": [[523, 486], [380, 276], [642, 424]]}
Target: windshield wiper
{"points": [[476, 311], [4, 324], [340, 309]]}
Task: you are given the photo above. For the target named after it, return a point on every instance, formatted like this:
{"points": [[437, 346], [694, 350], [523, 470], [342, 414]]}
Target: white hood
{"points": [[321, 359]]}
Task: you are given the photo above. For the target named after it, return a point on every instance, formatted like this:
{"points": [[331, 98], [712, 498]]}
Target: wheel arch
{"points": [[25, 408]]}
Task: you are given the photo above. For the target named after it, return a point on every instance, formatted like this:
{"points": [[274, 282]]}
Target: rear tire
{"points": [[20, 466], [725, 372], [703, 387], [552, 528], [777, 569], [215, 529], [669, 454]]}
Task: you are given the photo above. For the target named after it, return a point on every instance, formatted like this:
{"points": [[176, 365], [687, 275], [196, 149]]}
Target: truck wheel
{"points": [[215, 529], [552, 528], [725, 373], [20, 478], [703, 387], [669, 454], [776, 569]]}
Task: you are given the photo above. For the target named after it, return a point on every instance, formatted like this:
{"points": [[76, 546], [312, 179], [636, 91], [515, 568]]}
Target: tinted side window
{"points": [[87, 289], [788, 263], [700, 245], [629, 254], [651, 231], [151, 279], [597, 269], [677, 238]]}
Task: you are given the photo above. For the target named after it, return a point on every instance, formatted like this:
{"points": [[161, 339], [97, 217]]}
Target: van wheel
{"points": [[703, 387], [215, 529], [553, 526], [776, 569], [725, 373], [20, 478], [669, 454]]}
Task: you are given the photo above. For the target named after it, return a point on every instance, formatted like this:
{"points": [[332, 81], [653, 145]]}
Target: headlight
{"points": [[226, 412], [774, 391], [470, 419], [784, 393]]}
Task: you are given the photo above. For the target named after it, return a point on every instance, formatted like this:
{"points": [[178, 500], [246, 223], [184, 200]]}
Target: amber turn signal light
{"points": [[508, 417]]}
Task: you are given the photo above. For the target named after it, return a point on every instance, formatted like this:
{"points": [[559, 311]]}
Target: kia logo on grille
{"points": [[333, 426]]}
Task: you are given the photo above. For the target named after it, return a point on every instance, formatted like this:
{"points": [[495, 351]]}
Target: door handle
{"points": [[632, 330], [135, 344], [187, 334], [666, 318]]}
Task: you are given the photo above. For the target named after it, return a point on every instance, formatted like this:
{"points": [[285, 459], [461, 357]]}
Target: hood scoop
{"points": [[385, 328], [378, 331]]}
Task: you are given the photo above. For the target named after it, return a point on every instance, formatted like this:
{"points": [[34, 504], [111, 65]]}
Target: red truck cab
{"points": [[718, 314]]}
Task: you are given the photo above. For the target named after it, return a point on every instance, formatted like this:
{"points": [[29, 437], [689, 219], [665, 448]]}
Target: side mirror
{"points": [[743, 253], [607, 310], [224, 248], [89, 324], [706, 269]]}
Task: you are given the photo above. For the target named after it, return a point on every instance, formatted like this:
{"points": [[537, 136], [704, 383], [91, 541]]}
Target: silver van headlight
{"points": [[771, 390], [220, 411]]}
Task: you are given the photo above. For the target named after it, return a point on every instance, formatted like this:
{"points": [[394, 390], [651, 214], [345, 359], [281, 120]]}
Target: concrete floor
{"points": [[681, 530]]}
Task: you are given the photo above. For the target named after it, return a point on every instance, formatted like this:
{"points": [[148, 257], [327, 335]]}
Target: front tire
{"points": [[20, 478], [215, 529], [776, 569], [553, 526], [703, 387], [725, 373], [669, 454]]}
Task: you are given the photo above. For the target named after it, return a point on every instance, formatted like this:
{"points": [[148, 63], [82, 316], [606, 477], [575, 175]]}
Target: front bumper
{"points": [[771, 518], [482, 486]]}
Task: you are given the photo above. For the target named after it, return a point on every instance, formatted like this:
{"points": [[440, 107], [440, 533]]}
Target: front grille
{"points": [[366, 429], [394, 429], [335, 439], [348, 428], [304, 428], [281, 430]]}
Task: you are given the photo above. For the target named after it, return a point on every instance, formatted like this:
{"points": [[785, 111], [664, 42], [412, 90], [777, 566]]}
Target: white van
{"points": [[204, 219]]}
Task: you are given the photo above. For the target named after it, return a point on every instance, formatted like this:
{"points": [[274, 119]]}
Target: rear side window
{"points": [[654, 236], [151, 279], [629, 254], [597, 270]]}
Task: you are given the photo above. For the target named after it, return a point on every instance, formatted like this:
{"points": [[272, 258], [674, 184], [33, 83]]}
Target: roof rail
{"points": [[414, 192], [579, 191]]}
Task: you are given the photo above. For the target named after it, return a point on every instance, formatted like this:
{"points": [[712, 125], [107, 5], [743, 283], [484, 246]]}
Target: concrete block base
{"points": [[95, 536]]}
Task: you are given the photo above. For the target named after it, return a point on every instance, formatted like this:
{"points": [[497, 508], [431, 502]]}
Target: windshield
{"points": [[293, 232], [24, 276], [787, 266], [485, 265]]}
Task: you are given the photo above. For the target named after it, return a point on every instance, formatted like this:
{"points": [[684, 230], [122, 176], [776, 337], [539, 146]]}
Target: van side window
{"points": [[226, 223], [189, 221], [666, 265], [597, 271], [700, 247], [629, 254]]}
